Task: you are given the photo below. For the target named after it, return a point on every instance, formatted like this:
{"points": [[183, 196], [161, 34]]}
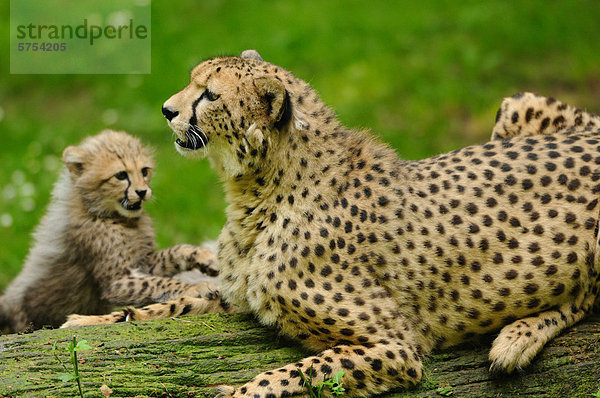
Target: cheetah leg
{"points": [[367, 371], [531, 114], [183, 306], [150, 289], [518, 343], [179, 258], [141, 290]]}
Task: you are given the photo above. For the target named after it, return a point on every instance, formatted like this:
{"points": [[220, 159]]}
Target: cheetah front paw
{"points": [[225, 391], [513, 351]]}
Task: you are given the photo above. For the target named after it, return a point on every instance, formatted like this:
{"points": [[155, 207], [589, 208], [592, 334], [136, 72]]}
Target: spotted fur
{"points": [[94, 248], [373, 261], [532, 114]]}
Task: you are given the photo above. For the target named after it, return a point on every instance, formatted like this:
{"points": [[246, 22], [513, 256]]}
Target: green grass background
{"points": [[426, 76]]}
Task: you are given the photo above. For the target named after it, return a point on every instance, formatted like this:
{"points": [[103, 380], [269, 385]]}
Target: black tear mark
{"points": [[194, 119], [126, 197]]}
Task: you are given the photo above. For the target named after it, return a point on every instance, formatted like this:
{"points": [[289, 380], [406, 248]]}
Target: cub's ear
{"points": [[74, 158], [251, 54], [276, 99]]}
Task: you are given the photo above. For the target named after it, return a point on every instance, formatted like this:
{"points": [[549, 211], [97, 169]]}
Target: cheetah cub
{"points": [[373, 261], [95, 248]]}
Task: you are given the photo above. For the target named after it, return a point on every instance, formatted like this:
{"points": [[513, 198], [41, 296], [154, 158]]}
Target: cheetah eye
{"points": [[209, 95], [121, 175], [145, 171]]}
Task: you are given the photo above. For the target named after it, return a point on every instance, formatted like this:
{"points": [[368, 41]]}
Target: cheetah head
{"points": [[111, 174], [233, 111]]}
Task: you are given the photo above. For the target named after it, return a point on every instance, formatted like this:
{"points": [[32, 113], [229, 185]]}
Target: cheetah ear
{"points": [[74, 158], [276, 99], [251, 54]]}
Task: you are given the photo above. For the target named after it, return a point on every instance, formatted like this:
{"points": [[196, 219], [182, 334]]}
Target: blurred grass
{"points": [[427, 77]]}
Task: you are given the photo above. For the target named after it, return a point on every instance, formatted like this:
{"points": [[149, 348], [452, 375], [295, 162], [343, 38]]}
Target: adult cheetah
{"points": [[374, 261]]}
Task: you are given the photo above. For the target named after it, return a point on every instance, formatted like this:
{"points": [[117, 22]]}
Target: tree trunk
{"points": [[189, 356]]}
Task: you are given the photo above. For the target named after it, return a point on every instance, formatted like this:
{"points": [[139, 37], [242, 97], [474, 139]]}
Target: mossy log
{"points": [[190, 356]]}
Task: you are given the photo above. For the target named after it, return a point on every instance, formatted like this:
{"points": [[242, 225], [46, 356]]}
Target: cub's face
{"points": [[111, 172], [229, 112]]}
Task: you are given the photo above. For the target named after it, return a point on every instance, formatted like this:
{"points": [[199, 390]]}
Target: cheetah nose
{"points": [[141, 193], [169, 112]]}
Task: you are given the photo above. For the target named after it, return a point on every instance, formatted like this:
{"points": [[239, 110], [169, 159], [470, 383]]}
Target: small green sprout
{"points": [[72, 348]]}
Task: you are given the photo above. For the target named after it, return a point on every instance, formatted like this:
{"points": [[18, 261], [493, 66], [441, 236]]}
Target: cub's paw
{"points": [[85, 320], [225, 391], [201, 259], [205, 290]]}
